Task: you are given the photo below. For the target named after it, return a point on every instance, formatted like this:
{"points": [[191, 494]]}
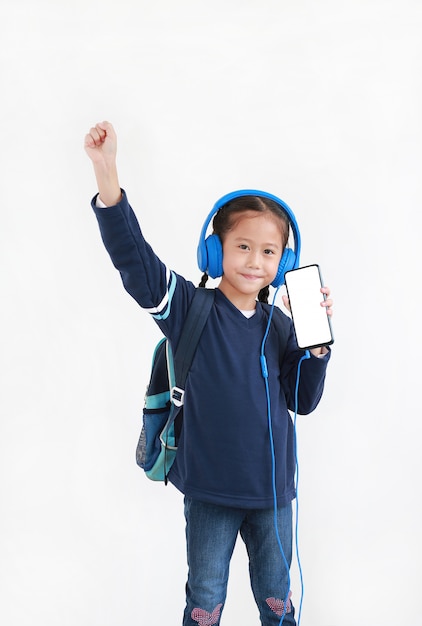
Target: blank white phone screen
{"points": [[311, 323]]}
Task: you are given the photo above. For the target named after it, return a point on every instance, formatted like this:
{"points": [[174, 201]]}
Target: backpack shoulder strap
{"points": [[192, 329], [281, 323]]}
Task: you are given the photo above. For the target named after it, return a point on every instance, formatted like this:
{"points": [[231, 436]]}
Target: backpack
{"points": [[163, 405]]}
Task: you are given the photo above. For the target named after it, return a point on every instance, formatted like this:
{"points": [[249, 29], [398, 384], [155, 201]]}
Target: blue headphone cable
{"points": [[264, 370]]}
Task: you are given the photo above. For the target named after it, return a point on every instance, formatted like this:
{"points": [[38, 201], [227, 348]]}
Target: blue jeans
{"points": [[211, 533]]}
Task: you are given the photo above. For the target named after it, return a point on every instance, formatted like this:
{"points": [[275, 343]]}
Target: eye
{"points": [[268, 251], [243, 246]]}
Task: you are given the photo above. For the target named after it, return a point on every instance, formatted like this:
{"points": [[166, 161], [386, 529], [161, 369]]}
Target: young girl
{"points": [[224, 463]]}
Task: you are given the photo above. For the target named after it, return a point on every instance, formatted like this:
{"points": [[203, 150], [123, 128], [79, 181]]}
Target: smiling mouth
{"points": [[251, 277]]}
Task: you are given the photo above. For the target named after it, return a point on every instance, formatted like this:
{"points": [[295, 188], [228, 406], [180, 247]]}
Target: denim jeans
{"points": [[211, 533]]}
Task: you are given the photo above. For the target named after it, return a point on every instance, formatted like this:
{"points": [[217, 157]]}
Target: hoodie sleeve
{"points": [[157, 289]]}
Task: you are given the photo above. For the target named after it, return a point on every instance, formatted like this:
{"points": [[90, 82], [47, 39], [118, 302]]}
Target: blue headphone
{"points": [[210, 249]]}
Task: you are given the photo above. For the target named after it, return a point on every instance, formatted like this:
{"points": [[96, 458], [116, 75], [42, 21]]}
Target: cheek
{"points": [[231, 253], [227, 260], [275, 261]]}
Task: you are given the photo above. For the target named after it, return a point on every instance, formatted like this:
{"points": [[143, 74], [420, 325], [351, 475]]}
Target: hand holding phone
{"points": [[310, 320]]}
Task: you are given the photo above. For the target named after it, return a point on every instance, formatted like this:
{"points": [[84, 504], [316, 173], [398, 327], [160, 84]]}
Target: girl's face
{"points": [[252, 250]]}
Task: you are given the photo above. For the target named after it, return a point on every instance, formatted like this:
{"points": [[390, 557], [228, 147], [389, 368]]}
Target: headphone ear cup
{"points": [[287, 263], [214, 256]]}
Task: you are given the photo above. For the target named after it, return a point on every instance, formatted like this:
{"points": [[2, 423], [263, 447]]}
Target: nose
{"points": [[254, 259]]}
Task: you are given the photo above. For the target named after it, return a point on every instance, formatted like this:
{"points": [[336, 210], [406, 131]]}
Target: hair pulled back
{"points": [[227, 216]]}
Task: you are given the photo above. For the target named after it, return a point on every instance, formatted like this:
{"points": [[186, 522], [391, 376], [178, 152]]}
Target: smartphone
{"points": [[310, 320]]}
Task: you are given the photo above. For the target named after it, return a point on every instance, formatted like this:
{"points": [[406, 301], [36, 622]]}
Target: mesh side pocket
{"points": [[149, 444], [141, 449]]}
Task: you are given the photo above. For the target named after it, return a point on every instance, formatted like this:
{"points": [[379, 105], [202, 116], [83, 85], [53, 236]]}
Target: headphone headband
{"points": [[210, 253]]}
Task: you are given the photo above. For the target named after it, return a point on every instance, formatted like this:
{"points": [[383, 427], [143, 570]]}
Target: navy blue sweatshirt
{"points": [[224, 454]]}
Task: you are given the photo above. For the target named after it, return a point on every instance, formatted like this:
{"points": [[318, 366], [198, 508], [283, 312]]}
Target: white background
{"points": [[317, 102]]}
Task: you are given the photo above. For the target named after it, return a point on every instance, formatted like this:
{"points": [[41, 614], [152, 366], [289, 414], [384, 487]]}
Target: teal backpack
{"points": [[163, 407]]}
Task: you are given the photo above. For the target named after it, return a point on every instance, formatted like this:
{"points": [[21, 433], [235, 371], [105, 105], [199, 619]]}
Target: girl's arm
{"points": [[162, 292], [101, 147]]}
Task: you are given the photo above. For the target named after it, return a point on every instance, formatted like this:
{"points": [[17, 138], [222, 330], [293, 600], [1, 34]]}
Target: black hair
{"points": [[224, 220]]}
